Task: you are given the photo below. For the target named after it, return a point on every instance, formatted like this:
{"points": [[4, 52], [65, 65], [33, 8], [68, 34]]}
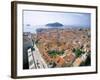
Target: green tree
{"points": [[78, 52], [54, 53]]}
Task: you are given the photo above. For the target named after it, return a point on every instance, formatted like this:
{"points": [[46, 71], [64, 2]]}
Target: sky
{"points": [[32, 19]]}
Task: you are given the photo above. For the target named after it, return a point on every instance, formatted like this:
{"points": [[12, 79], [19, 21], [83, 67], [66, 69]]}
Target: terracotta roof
{"points": [[46, 57], [77, 62], [69, 57], [59, 61]]}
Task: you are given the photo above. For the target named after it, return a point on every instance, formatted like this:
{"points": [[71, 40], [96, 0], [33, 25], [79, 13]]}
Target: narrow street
{"points": [[39, 61], [35, 59]]}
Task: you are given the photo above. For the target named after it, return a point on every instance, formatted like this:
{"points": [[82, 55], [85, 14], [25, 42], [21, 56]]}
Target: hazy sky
{"points": [[34, 18]]}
